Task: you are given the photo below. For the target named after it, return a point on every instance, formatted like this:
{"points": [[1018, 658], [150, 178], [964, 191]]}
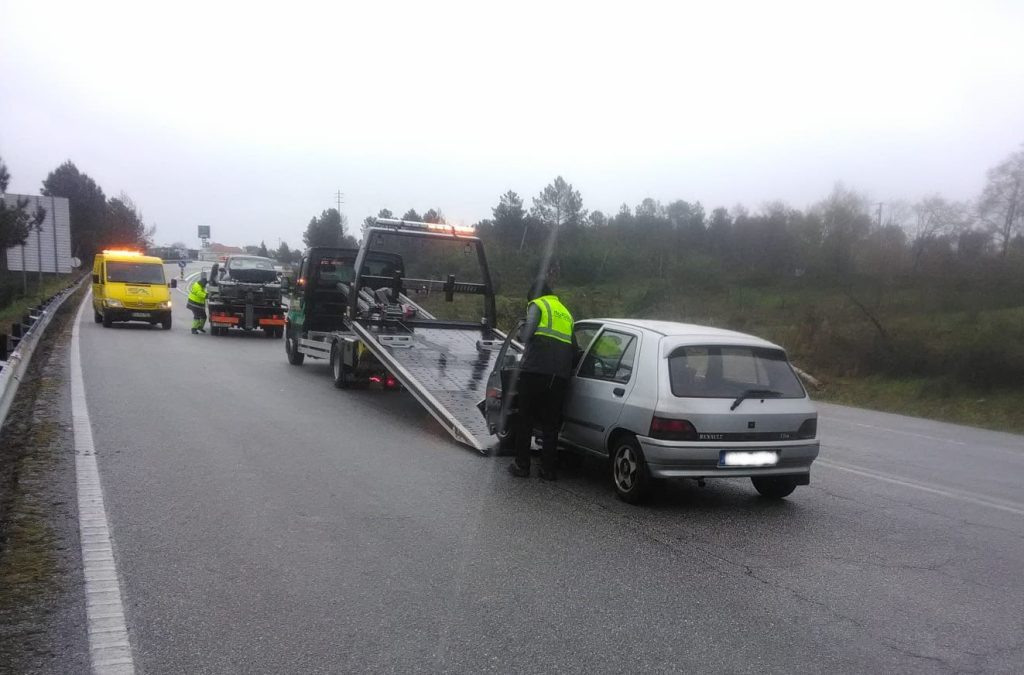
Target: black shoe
{"points": [[547, 475], [518, 471], [195, 332]]}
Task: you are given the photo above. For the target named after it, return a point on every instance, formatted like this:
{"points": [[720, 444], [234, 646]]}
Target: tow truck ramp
{"points": [[444, 370]]}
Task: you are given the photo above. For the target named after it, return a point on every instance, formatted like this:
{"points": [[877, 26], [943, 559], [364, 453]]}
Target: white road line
{"points": [[109, 649], [831, 419], [990, 502]]}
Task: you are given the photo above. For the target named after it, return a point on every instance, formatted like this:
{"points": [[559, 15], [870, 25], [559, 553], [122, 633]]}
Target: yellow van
{"points": [[129, 286]]}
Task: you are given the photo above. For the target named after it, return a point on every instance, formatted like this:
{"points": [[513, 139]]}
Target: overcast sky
{"points": [[248, 117]]}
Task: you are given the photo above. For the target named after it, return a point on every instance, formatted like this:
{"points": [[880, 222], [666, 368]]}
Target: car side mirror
{"points": [[174, 283]]}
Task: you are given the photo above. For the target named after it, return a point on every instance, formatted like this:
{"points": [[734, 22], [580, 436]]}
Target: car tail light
{"points": [[390, 382], [809, 429], [375, 379], [668, 429], [493, 393]]}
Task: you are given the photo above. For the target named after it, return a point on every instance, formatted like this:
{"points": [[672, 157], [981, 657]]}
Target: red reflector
{"points": [[390, 383]]}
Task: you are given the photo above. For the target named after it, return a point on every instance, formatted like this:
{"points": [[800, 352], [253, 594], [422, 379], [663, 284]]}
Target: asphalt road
{"points": [[265, 522]]}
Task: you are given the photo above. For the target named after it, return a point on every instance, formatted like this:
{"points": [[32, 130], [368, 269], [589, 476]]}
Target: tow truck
{"points": [[245, 292], [355, 308]]}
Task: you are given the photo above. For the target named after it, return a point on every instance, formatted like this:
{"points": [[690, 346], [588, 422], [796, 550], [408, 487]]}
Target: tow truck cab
{"points": [[318, 300]]}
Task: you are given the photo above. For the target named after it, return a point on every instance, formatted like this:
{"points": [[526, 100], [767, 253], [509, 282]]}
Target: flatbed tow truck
{"points": [[354, 308]]}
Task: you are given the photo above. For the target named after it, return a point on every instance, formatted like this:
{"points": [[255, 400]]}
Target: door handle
{"points": [[619, 391]]}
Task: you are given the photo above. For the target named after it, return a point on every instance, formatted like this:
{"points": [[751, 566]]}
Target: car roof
{"points": [[690, 333]]}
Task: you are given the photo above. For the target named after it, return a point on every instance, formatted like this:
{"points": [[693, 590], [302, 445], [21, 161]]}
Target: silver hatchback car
{"points": [[674, 400]]}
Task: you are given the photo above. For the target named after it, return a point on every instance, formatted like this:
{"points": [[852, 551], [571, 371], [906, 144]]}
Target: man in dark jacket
{"points": [[543, 379]]}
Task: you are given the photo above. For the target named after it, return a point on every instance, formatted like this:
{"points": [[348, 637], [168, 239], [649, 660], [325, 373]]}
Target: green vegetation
{"points": [[14, 305]]}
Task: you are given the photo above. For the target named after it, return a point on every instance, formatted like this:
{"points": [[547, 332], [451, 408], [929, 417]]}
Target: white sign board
{"points": [[48, 249]]}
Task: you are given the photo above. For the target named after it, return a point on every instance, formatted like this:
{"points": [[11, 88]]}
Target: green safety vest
{"points": [[555, 319], [197, 293]]}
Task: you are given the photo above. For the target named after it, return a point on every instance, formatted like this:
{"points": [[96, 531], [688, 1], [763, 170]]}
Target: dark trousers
{"points": [[540, 400]]}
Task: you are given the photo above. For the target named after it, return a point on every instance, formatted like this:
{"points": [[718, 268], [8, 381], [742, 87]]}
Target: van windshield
{"points": [[135, 273], [727, 372]]}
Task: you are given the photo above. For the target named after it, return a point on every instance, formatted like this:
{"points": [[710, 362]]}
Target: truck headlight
{"points": [[109, 302]]}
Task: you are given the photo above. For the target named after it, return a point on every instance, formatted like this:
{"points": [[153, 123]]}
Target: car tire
{"points": [[630, 476], [107, 321], [774, 487], [166, 322], [341, 375], [507, 438], [291, 348], [97, 317]]}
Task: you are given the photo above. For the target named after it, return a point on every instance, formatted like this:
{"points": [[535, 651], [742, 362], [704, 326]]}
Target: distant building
{"points": [[215, 252], [49, 248]]}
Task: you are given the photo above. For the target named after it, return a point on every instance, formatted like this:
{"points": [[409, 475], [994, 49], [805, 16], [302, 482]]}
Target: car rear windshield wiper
{"points": [[754, 393]]}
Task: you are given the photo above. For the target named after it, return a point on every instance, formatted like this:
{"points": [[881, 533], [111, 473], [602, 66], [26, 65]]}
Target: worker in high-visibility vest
{"points": [[197, 303], [543, 379]]}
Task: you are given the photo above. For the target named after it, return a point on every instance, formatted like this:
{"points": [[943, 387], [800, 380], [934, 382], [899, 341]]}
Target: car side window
{"points": [[611, 357], [584, 334]]}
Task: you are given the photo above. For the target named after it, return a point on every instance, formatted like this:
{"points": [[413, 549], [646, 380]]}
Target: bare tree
{"points": [[1001, 206], [935, 217]]}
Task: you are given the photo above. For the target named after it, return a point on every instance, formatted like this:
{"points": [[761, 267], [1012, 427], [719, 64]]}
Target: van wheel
{"points": [[97, 317], [107, 321], [166, 323], [342, 376], [630, 477], [774, 487], [291, 348]]}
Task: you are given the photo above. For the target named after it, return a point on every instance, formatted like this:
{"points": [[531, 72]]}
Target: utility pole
{"points": [[340, 197], [880, 215]]}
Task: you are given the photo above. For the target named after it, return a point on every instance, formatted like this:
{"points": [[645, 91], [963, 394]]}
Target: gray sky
{"points": [[248, 117]]}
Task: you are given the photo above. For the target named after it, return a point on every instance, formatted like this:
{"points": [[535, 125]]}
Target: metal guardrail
{"points": [[28, 333]]}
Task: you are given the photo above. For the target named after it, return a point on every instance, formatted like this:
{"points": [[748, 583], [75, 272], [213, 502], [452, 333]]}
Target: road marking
{"points": [[109, 649], [892, 431], [990, 502]]}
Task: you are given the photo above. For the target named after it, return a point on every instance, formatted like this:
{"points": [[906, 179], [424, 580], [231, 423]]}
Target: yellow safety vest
{"points": [[197, 293], [555, 319]]}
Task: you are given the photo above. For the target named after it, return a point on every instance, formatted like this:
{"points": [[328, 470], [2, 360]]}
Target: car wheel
{"points": [[97, 317], [507, 437], [342, 376], [630, 476], [774, 487], [291, 348], [107, 321]]}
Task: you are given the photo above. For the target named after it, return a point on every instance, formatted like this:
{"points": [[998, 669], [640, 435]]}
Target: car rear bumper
{"points": [[666, 459]]}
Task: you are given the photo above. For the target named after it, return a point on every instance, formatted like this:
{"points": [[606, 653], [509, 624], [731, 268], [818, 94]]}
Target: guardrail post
{"points": [[3, 346]]}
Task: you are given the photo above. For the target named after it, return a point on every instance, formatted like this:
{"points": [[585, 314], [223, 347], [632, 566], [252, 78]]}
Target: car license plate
{"points": [[739, 458], [140, 315]]}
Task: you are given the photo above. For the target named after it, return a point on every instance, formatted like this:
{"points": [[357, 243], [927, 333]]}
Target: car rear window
{"points": [[727, 371]]}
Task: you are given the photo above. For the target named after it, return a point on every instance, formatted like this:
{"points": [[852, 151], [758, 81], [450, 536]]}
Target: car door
{"points": [[599, 388]]}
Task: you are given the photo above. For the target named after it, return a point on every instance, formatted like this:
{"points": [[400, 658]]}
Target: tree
{"points": [[385, 213], [935, 217], [263, 250], [433, 216], [598, 219], [412, 216], [558, 204], [845, 221], [15, 221], [1002, 202], [88, 206], [509, 219], [123, 225], [327, 230], [649, 208], [283, 253]]}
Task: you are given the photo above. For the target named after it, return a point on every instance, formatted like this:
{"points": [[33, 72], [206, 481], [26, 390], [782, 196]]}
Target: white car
{"points": [[674, 400]]}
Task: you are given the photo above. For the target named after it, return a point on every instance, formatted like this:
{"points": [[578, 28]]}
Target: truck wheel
{"points": [[774, 487], [291, 348], [342, 377], [97, 317], [630, 476]]}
